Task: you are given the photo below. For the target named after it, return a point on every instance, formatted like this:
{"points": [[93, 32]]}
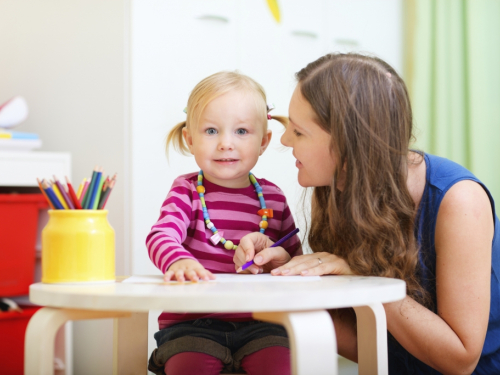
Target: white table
{"points": [[299, 306]]}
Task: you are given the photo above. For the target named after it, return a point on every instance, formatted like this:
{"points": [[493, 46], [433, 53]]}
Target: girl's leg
{"points": [[274, 360], [193, 363]]}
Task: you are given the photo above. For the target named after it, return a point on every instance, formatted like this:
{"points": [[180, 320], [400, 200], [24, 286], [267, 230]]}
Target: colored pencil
{"points": [[59, 195], [90, 203], [277, 243], [84, 192], [72, 194], [107, 192], [52, 196], [98, 194], [65, 195], [45, 194], [90, 189], [80, 189]]}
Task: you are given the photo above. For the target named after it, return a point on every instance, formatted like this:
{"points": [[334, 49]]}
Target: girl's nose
{"points": [[226, 142]]}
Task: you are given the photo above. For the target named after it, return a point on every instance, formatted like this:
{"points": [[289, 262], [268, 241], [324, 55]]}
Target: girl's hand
{"points": [[187, 269], [256, 246], [315, 264]]}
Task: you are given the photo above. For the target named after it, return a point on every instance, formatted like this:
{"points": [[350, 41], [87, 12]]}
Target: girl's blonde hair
{"points": [[207, 90]]}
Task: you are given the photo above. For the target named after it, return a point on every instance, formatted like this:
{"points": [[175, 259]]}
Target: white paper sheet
{"points": [[226, 278]]}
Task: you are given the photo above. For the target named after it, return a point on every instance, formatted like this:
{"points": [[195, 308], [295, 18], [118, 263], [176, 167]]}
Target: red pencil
{"points": [[73, 195]]}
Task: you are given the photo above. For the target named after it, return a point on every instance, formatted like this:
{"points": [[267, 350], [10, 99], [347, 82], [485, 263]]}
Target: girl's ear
{"points": [[266, 139], [188, 138]]}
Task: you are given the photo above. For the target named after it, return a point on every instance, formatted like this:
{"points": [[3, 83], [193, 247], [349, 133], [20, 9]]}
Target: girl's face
{"points": [[310, 143], [229, 139]]}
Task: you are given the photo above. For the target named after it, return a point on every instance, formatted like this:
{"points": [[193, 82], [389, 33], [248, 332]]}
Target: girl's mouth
{"points": [[298, 164], [226, 161]]}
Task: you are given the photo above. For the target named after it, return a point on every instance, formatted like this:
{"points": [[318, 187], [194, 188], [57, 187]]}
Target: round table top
{"points": [[277, 294]]}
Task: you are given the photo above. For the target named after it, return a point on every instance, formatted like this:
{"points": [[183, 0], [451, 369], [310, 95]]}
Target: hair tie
{"points": [[270, 107], [185, 110]]}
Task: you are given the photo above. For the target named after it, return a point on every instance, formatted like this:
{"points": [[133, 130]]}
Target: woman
{"points": [[381, 209]]}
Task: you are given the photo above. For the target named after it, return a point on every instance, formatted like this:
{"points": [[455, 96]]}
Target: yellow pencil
{"points": [[59, 196], [80, 188]]}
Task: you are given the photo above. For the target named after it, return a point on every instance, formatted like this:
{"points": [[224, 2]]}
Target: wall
{"points": [[68, 59]]}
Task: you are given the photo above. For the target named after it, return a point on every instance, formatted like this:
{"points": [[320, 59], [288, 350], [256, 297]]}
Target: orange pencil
{"points": [[45, 194]]}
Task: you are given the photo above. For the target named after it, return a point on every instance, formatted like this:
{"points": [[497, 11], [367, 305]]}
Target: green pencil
{"points": [[99, 192]]}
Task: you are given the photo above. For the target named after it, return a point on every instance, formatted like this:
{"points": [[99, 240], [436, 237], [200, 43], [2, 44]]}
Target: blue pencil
{"points": [[52, 196], [94, 190], [277, 243]]}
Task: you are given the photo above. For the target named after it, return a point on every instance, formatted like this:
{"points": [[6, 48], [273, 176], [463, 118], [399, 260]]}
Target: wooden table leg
{"points": [[372, 340], [312, 340], [130, 347], [41, 332]]}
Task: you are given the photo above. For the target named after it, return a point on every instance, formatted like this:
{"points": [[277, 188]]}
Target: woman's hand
{"points": [[315, 264], [187, 269], [256, 246]]}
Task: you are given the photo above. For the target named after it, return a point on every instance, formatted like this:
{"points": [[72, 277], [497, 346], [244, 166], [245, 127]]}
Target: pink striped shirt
{"points": [[181, 233]]}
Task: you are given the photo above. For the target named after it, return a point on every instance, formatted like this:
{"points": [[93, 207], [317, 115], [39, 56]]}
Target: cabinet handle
{"points": [[213, 17], [353, 43], [305, 33]]}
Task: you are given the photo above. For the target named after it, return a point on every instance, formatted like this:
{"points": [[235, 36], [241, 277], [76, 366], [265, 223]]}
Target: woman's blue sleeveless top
{"points": [[442, 174]]}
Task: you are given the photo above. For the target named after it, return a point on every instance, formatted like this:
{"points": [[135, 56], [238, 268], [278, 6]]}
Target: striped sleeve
{"points": [[293, 245], [164, 241]]}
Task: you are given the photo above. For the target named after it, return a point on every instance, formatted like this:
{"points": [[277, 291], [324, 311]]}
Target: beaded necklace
{"points": [[264, 212]]}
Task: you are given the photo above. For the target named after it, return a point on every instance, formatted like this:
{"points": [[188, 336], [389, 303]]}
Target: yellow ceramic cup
{"points": [[78, 246]]}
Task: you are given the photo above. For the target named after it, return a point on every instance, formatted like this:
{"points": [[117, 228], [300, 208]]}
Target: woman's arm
{"points": [[451, 341]]}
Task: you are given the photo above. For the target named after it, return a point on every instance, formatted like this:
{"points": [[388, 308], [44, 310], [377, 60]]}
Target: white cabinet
{"points": [[176, 44]]}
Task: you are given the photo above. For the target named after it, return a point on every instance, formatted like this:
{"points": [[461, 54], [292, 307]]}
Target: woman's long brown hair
{"points": [[364, 105]]}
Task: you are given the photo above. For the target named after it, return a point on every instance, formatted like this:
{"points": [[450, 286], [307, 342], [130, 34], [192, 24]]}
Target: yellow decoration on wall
{"points": [[275, 9]]}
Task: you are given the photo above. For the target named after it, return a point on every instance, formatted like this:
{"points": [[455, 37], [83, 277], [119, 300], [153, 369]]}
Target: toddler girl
{"points": [[202, 220]]}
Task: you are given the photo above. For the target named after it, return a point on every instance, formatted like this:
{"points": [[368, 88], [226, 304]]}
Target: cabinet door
{"points": [[174, 44], [369, 26]]}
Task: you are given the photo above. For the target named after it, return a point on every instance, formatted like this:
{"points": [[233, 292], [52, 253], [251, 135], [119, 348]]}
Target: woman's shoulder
{"points": [[443, 171]]}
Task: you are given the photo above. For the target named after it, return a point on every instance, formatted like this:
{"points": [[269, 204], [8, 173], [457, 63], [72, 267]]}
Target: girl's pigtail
{"points": [[176, 139], [282, 119]]}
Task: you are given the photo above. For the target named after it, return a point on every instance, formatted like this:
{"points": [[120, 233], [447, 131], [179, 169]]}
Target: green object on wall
{"points": [[452, 67]]}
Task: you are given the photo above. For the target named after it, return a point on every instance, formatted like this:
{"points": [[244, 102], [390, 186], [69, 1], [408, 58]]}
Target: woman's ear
{"points": [[188, 138], [266, 139]]}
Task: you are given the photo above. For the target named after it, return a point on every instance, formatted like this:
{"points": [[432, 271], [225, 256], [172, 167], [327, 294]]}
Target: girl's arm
{"points": [[451, 341], [164, 242]]}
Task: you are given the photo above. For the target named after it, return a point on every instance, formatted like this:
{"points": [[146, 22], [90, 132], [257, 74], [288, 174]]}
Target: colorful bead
{"points": [[265, 212], [218, 236]]}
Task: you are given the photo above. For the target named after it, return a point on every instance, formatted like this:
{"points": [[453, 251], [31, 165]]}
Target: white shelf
{"points": [[23, 168]]}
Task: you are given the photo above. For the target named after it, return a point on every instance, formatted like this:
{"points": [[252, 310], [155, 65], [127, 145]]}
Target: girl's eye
{"points": [[297, 133], [211, 131], [241, 131]]}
